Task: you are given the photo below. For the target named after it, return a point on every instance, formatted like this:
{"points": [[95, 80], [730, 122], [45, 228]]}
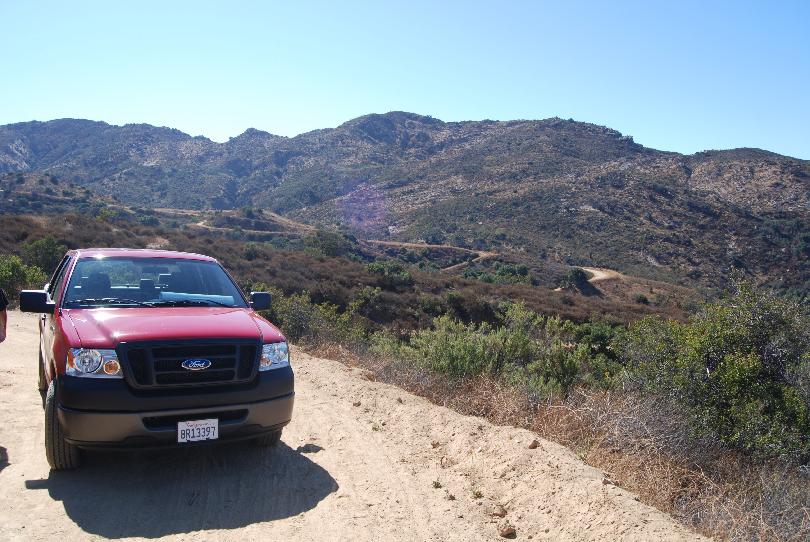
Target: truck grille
{"points": [[160, 365]]}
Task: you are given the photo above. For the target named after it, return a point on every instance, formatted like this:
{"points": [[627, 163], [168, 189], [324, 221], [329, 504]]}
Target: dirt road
{"points": [[480, 255], [600, 273], [394, 467]]}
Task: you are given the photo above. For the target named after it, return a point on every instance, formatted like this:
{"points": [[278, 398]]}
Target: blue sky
{"points": [[682, 76]]}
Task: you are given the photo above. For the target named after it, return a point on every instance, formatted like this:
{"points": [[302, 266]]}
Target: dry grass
{"points": [[638, 442]]}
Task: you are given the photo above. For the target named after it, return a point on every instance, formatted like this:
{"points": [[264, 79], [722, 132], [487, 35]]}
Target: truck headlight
{"points": [[91, 363], [274, 356]]}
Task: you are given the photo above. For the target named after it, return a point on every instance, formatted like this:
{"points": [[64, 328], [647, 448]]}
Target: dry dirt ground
{"points": [[360, 461]]}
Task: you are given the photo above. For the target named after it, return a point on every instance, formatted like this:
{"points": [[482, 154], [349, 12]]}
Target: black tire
{"points": [[61, 455], [268, 440]]}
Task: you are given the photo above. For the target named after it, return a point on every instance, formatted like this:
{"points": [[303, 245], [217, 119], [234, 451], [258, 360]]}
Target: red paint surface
{"points": [[106, 327]]}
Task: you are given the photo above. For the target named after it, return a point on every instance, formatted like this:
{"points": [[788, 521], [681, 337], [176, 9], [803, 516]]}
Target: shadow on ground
{"points": [[154, 494]]}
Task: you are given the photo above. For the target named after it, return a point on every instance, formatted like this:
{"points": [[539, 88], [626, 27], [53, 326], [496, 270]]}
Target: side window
{"points": [[58, 276]]}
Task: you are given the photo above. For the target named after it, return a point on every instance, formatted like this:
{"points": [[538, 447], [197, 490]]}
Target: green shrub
{"points": [[391, 275], [367, 302], [603, 366], [329, 243], [576, 277], [294, 314], [16, 276], [148, 220], [504, 273], [45, 253], [454, 348], [454, 300], [526, 349], [516, 337], [641, 298], [558, 368], [739, 369], [106, 215], [251, 251], [386, 344], [302, 320], [431, 304]]}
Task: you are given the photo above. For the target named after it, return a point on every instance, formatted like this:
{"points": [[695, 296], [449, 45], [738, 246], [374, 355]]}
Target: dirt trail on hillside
{"points": [[480, 255], [599, 274], [203, 224], [299, 228], [360, 461], [295, 227]]}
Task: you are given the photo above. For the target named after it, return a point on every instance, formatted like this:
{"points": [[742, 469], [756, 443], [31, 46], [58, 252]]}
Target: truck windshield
{"points": [[150, 282]]}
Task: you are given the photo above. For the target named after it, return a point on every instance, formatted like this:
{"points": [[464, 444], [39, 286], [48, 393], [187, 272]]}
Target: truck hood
{"points": [[106, 327]]}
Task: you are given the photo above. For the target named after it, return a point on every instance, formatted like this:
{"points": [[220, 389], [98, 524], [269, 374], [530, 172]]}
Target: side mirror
{"points": [[36, 301], [260, 301]]}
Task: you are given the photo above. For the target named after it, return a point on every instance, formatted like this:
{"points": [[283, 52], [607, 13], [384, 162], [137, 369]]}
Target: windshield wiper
{"points": [[109, 301], [189, 303]]}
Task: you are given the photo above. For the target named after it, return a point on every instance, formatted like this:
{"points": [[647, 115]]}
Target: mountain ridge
{"points": [[577, 192], [253, 130]]}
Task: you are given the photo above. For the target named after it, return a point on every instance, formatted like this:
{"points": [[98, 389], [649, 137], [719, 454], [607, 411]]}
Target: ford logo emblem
{"points": [[196, 364]]}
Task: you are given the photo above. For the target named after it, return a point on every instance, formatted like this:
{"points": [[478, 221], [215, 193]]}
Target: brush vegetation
{"points": [[706, 415]]}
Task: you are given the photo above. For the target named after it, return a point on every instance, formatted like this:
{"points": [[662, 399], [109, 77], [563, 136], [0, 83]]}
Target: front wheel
{"points": [[61, 454], [268, 440]]}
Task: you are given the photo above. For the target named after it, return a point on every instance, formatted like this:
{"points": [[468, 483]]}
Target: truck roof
{"points": [[137, 253]]}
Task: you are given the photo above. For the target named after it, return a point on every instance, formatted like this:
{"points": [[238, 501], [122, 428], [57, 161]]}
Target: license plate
{"points": [[195, 430]]}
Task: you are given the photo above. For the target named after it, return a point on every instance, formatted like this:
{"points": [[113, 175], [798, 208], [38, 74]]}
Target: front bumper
{"points": [[108, 413], [90, 429]]}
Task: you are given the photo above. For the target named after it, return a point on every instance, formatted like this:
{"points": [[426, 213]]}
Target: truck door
{"points": [[48, 322]]}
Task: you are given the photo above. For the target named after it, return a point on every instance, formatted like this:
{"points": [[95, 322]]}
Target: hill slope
{"points": [[549, 189]]}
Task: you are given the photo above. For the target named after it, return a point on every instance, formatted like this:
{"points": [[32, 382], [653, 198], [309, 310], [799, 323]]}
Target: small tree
{"points": [[576, 278], [390, 274], [16, 276], [739, 368], [641, 298], [328, 243], [251, 251], [45, 253]]}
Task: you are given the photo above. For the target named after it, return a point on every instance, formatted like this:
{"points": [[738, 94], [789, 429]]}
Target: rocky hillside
{"points": [[35, 193], [550, 189]]}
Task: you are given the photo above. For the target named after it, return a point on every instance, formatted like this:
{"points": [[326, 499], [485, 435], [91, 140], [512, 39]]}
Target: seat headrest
{"points": [[176, 283], [98, 280]]}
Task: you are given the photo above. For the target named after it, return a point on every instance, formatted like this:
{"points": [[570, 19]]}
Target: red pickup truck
{"points": [[143, 348]]}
